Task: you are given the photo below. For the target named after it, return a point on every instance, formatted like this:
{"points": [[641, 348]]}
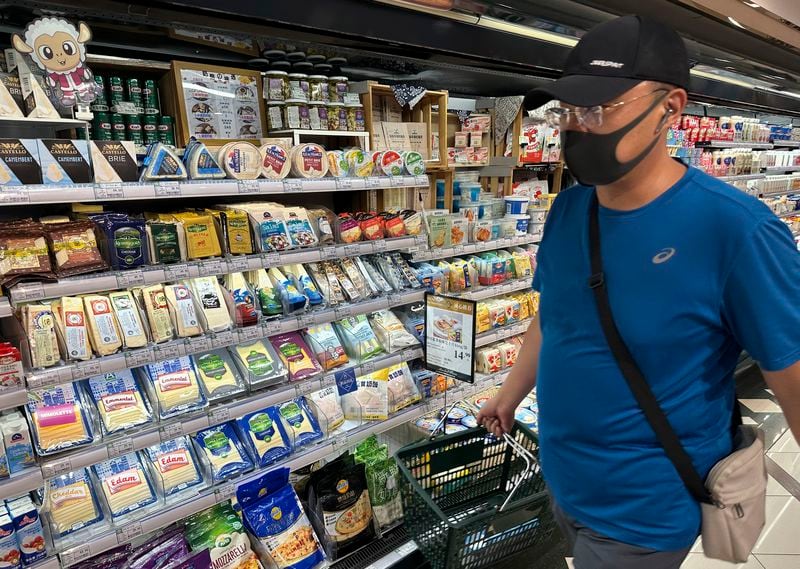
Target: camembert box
{"points": [[64, 161], [114, 161], [19, 162]]}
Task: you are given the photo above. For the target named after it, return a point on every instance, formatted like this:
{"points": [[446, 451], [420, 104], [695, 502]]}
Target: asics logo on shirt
{"points": [[664, 255]]}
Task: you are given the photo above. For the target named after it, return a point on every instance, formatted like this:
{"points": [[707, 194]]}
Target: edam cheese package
{"points": [[113, 161], [71, 503], [60, 418], [263, 434], [124, 484], [119, 401], [174, 466], [175, 387], [302, 425], [224, 451], [218, 375]]}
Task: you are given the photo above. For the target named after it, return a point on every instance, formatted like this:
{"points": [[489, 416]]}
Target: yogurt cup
{"points": [[522, 221], [536, 229], [538, 214], [516, 205], [470, 191]]}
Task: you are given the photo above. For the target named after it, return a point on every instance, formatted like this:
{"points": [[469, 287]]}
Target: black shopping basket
{"points": [[472, 500]]}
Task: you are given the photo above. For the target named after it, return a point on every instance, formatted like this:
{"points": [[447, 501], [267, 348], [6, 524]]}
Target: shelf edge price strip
{"points": [[167, 189]]}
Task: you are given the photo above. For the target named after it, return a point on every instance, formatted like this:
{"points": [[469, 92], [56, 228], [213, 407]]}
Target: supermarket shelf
{"points": [[502, 333], [795, 213], [13, 398], [26, 481], [218, 266], [733, 144], [35, 194], [471, 248], [190, 424], [786, 143], [395, 557], [309, 132], [778, 193], [48, 563], [781, 169], [34, 122], [197, 344], [496, 290], [742, 177], [5, 308]]}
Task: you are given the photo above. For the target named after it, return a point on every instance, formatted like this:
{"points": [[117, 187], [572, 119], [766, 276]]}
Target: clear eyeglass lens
{"points": [[590, 117]]}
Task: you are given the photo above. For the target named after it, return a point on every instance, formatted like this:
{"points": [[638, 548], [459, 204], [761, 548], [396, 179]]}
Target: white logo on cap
{"points": [[606, 63]]}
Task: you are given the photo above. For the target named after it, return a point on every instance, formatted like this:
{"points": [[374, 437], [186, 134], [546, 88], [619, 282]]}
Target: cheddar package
{"points": [[174, 466], [218, 375], [302, 424], [224, 451], [264, 435], [259, 364], [175, 387], [125, 484], [60, 418], [71, 503], [119, 401]]}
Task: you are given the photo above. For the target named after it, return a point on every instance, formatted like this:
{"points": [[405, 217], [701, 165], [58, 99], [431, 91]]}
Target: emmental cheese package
{"points": [[175, 387], [59, 417], [119, 401], [71, 503], [125, 485], [174, 466]]}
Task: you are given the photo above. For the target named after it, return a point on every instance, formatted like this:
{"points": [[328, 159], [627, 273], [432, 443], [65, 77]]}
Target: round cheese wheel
{"points": [[376, 159], [361, 164], [309, 161], [337, 164], [241, 160], [275, 162], [391, 163]]}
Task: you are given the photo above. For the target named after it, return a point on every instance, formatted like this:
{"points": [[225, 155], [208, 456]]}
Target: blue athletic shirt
{"points": [[693, 277]]}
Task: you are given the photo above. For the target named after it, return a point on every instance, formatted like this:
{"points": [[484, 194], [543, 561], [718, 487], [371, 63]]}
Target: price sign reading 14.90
{"points": [[450, 336]]}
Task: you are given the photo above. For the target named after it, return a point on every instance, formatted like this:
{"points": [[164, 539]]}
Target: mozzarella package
{"points": [[71, 503], [125, 484], [175, 387], [174, 466], [119, 401], [60, 418]]}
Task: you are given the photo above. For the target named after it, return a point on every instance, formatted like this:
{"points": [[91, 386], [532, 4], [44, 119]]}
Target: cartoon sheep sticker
{"points": [[59, 48]]}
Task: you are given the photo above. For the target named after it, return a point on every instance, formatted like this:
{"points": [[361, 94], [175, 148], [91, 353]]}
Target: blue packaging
{"points": [[303, 425], [10, 555], [224, 451], [28, 528], [264, 435], [68, 490], [172, 455]]}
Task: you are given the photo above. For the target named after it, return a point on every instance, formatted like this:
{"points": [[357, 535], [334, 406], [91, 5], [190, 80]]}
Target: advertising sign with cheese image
{"points": [[65, 162], [71, 502], [125, 484]]}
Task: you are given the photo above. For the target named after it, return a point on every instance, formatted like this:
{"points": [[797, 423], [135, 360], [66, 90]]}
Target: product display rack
{"points": [[742, 177], [302, 134], [781, 169], [786, 143], [472, 248], [735, 144], [5, 308]]}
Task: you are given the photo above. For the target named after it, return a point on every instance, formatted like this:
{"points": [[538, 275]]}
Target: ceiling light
{"points": [[751, 4], [735, 23]]}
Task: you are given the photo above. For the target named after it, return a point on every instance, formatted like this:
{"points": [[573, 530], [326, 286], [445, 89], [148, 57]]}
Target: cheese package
{"points": [[161, 163], [370, 400], [403, 391], [200, 163], [174, 466], [291, 298], [74, 247], [157, 310], [275, 161], [358, 338], [209, 297], [390, 332], [224, 451], [125, 484], [338, 167], [19, 162], [201, 235], [259, 363], [241, 160], [304, 283], [71, 503], [264, 435], [234, 225], [328, 407], [268, 298], [299, 227], [303, 426], [296, 356], [60, 418], [40, 329], [269, 225], [218, 375], [8, 106], [166, 241], [182, 310], [113, 161], [64, 162], [104, 331], [71, 321], [119, 401], [326, 346], [175, 387], [244, 300], [129, 319], [309, 161]]}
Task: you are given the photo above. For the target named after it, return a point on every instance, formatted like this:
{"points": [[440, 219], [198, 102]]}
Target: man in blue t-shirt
{"points": [[696, 271]]}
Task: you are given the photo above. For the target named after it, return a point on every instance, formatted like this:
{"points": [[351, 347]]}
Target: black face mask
{"points": [[592, 158]]}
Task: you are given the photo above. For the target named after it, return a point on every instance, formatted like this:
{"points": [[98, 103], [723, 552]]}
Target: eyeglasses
{"points": [[587, 117]]}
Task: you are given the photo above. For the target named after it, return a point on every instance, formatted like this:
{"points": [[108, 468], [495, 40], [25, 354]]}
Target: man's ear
{"points": [[84, 33], [20, 45]]}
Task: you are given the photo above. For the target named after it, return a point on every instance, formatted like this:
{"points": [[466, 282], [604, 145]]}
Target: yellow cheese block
{"points": [[130, 321], [155, 304], [71, 321], [201, 235], [104, 331]]}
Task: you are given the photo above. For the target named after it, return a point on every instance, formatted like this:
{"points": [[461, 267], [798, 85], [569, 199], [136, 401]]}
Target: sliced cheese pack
{"points": [[119, 401], [275, 161], [303, 426], [224, 451], [241, 160], [200, 163], [59, 417], [218, 375], [40, 329], [161, 163], [181, 308], [328, 407], [265, 436], [70, 318], [175, 387], [125, 484], [71, 503], [129, 319], [155, 304], [210, 298], [268, 297], [259, 363], [104, 331], [174, 466]]}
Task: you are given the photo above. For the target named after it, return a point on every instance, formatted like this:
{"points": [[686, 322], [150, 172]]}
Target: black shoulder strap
{"points": [[633, 375]]}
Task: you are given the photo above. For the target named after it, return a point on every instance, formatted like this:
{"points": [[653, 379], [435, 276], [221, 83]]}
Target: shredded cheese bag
{"points": [[329, 409], [119, 401], [125, 484], [71, 502], [224, 451], [402, 389], [176, 387], [265, 436], [58, 416], [174, 465]]}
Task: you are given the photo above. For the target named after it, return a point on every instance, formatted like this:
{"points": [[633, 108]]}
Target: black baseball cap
{"points": [[612, 58]]}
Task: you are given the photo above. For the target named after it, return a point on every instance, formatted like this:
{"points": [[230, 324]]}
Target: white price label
{"points": [[198, 345], [344, 183], [120, 447], [76, 554], [249, 334], [351, 99], [218, 416], [413, 250], [327, 253], [411, 354], [136, 358], [134, 277], [421, 180], [398, 181], [57, 467], [124, 108], [28, 291], [306, 387], [342, 312], [108, 192], [128, 532], [458, 249], [306, 320], [249, 186], [166, 352], [373, 182], [369, 367], [394, 298], [212, 267], [379, 246], [340, 442], [222, 339], [225, 492], [290, 185], [238, 264], [169, 432], [176, 272], [167, 189], [271, 259], [352, 250], [50, 377], [86, 369], [15, 196]]}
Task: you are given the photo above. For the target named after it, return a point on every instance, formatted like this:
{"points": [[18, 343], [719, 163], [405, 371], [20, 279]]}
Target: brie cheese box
{"points": [[114, 161]]}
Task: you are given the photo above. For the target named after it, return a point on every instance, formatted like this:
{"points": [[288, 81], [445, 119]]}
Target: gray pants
{"points": [[594, 551]]}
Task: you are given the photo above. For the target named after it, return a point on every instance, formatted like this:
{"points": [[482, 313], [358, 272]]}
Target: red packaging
{"points": [[10, 367]]}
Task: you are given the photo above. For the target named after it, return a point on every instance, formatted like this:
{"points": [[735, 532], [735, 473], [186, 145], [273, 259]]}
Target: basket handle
{"points": [[530, 463], [442, 420]]}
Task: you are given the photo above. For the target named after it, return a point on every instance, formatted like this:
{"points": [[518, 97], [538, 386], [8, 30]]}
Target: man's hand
{"points": [[497, 415]]}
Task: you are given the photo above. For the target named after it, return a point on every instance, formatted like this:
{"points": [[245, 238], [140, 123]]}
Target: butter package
{"points": [[125, 485], [60, 418], [39, 324], [218, 375], [71, 503], [224, 451], [175, 387], [264, 435], [182, 309], [113, 161], [104, 331], [64, 162], [174, 466], [155, 304], [71, 321], [19, 162], [259, 363], [119, 401], [129, 319], [209, 297]]}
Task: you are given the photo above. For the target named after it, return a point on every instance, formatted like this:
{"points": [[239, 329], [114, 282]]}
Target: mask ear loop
{"points": [[664, 120]]}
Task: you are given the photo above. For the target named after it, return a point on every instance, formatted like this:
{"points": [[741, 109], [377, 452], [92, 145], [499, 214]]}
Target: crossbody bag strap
{"points": [[633, 375]]}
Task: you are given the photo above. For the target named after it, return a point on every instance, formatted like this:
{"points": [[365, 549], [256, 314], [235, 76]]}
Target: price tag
{"points": [[77, 554], [249, 186], [218, 416], [458, 249], [57, 467], [176, 272], [369, 367], [222, 339], [120, 447], [166, 352], [379, 246], [344, 183], [249, 334], [16, 196], [411, 354], [421, 180], [124, 108], [138, 358], [198, 345], [134, 277], [398, 181], [352, 251], [372, 182], [412, 250], [225, 492], [108, 192], [394, 298], [28, 291], [292, 185], [86, 369], [128, 532], [340, 442], [351, 99], [342, 312], [328, 253], [238, 264], [167, 189], [212, 267], [306, 320], [306, 387], [169, 432], [270, 259], [50, 377], [406, 549]]}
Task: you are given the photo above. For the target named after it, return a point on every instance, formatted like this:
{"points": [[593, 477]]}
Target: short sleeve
{"points": [[761, 296]]}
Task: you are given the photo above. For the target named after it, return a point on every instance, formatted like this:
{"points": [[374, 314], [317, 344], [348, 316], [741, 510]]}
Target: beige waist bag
{"points": [[733, 497]]}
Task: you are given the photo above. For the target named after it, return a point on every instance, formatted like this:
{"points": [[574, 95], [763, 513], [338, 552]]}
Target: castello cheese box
{"points": [[114, 161], [19, 162], [64, 162]]}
